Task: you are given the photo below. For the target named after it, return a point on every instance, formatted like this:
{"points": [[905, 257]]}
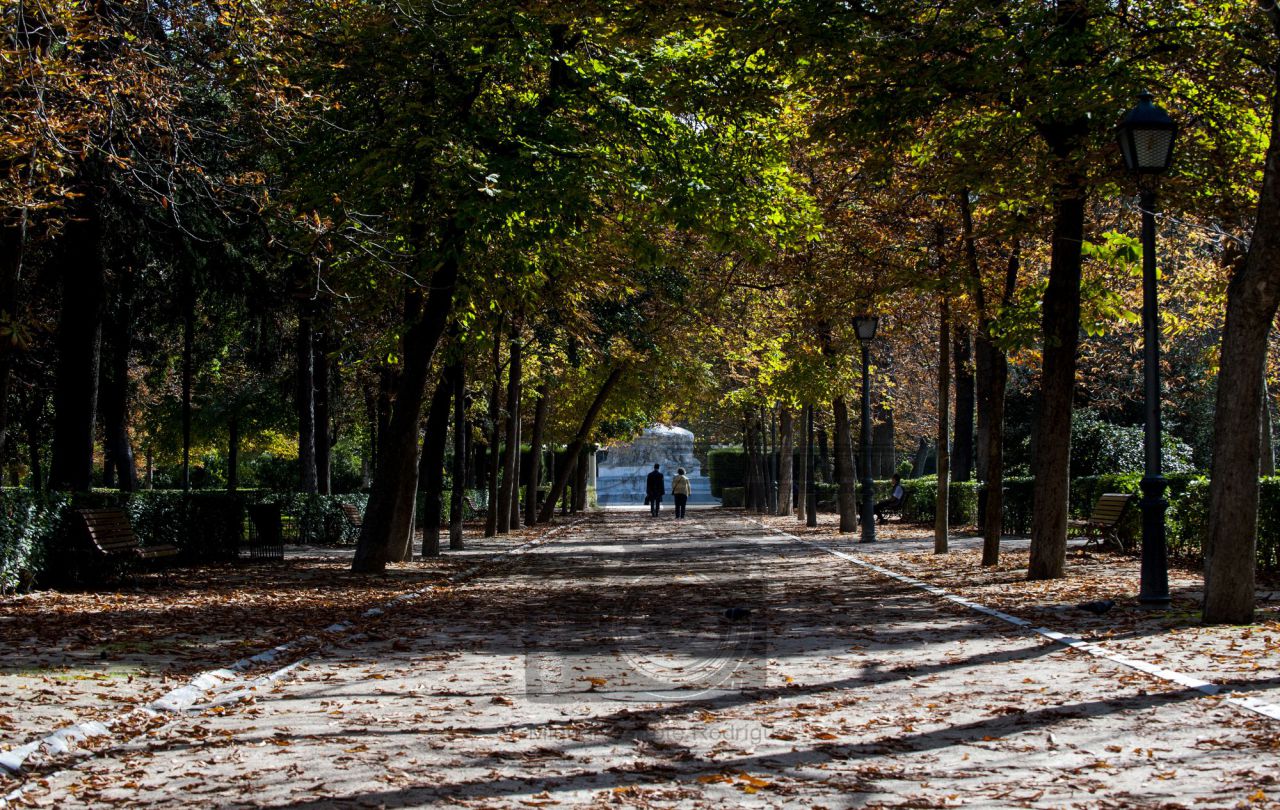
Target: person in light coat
{"points": [[680, 490]]}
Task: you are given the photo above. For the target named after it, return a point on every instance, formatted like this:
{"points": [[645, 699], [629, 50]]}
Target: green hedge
{"points": [[733, 497], [921, 501], [315, 519], [28, 523], [1188, 524], [726, 467]]}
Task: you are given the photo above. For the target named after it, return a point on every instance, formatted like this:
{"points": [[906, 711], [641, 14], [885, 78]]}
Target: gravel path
{"points": [[602, 669]]}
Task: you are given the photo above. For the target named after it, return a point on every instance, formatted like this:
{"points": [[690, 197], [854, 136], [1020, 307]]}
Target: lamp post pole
{"points": [[1146, 139], [868, 482], [1154, 588]]}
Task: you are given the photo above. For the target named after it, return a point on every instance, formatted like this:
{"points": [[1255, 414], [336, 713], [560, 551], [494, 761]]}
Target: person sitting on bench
{"points": [[894, 501]]}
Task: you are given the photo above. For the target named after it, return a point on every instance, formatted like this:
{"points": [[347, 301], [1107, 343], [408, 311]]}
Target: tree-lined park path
{"points": [[711, 661]]}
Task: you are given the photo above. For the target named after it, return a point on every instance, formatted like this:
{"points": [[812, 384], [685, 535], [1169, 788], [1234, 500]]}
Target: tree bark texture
{"points": [[511, 448], [398, 457], [461, 428], [79, 341], [962, 440], [786, 461], [802, 488], [535, 456], [118, 459], [1252, 298], [942, 513], [1051, 462], [431, 466], [846, 475], [494, 458], [305, 389], [579, 441], [322, 428]]}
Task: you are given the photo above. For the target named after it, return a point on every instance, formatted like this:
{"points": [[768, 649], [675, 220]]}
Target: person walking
{"points": [[680, 489], [654, 488]]}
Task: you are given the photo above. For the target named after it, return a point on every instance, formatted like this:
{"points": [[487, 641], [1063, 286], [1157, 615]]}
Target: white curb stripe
{"points": [[184, 697], [1270, 710]]}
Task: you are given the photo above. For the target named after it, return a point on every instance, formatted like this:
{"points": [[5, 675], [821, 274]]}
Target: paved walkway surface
{"points": [[601, 669]]}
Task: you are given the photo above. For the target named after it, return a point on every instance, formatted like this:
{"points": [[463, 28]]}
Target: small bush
{"points": [[726, 467], [28, 523], [921, 495], [733, 497]]}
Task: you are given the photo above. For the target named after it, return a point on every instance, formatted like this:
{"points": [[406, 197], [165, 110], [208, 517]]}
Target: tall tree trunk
{"points": [[1051, 464], [786, 462], [75, 396], [962, 441], [515, 475], [802, 484], [398, 460], [431, 466], [535, 456], [12, 249], [323, 435], [188, 368], [1252, 298], [233, 453], [305, 389], [118, 463], [35, 417], [1267, 465], [942, 506], [579, 503], [993, 380], [461, 429], [824, 456], [511, 452], [495, 460], [579, 441], [846, 476]]}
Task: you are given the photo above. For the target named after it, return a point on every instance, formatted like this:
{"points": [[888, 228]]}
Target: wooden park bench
{"points": [[112, 535], [354, 518], [1104, 523]]}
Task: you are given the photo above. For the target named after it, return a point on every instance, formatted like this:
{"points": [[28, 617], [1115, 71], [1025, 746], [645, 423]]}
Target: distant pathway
{"points": [[601, 668]]}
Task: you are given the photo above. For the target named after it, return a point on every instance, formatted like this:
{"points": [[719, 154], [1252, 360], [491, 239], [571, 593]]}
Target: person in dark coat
{"points": [[654, 488]]}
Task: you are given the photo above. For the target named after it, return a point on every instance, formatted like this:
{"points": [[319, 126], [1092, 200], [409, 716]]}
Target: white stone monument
{"points": [[621, 469]]}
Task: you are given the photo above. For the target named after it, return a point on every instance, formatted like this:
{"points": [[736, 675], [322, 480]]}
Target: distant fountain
{"points": [[621, 469]]}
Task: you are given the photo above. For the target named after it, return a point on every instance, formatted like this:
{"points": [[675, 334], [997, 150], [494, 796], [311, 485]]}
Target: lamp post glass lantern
{"points": [[865, 326], [1147, 135]]}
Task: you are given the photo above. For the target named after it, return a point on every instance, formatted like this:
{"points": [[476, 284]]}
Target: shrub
{"points": [[1188, 525], [733, 497], [28, 523], [920, 502], [726, 467]]}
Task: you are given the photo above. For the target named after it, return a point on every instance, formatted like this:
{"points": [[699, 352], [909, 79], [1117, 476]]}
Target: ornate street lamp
{"points": [[865, 326], [1146, 136]]}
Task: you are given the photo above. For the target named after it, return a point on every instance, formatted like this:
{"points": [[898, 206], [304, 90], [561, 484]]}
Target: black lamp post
{"points": [[1146, 135], [865, 326]]}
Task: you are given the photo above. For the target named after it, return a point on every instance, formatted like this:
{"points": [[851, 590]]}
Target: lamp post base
{"points": [[1153, 592]]}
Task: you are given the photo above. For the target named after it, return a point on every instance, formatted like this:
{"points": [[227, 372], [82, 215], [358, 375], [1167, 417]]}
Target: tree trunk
{"points": [[1267, 465], [322, 429], [12, 249], [1051, 463], [79, 343], [495, 460], [802, 484], [305, 395], [431, 466], [786, 462], [515, 477], [993, 380], [962, 442], [1252, 298], [824, 456], [188, 368], [233, 453], [846, 476], [942, 506], [535, 457], [405, 516], [461, 428], [118, 459], [579, 441], [398, 460], [511, 452], [579, 503]]}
